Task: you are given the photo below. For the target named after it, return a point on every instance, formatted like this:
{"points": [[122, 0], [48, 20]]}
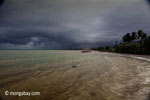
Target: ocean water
{"points": [[96, 76], [29, 58]]}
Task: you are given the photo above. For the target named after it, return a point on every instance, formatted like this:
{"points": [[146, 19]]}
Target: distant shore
{"points": [[136, 56]]}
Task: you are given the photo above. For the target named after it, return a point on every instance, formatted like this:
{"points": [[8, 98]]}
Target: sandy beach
{"points": [[97, 76]]}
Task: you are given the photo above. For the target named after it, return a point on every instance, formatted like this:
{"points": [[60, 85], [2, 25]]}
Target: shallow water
{"points": [[97, 76]]}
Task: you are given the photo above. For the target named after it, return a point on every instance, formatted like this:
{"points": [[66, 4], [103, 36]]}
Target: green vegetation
{"points": [[135, 43], [105, 49]]}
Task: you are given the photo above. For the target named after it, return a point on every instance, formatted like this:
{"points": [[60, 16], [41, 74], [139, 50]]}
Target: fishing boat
{"points": [[85, 50]]}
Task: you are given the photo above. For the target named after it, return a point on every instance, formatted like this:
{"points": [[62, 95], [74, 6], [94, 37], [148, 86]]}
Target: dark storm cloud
{"points": [[148, 1], [65, 24], [35, 39], [1, 2], [130, 18]]}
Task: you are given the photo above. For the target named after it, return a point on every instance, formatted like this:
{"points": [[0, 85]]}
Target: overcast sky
{"points": [[65, 24]]}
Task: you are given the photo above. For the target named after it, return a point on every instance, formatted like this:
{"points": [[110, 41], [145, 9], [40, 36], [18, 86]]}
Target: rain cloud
{"points": [[67, 24]]}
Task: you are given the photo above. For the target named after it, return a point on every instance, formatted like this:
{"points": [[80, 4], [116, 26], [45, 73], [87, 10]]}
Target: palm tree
{"points": [[134, 36], [140, 32], [124, 38], [127, 38], [144, 36]]}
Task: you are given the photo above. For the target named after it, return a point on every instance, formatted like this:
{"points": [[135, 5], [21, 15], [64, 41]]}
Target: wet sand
{"points": [[97, 76]]}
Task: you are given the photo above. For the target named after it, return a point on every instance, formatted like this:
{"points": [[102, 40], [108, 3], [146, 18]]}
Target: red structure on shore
{"points": [[86, 50]]}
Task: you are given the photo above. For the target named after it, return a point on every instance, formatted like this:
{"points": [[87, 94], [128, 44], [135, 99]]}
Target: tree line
{"points": [[135, 43]]}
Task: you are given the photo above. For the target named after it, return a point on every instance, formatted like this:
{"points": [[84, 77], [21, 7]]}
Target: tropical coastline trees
{"points": [[135, 43]]}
